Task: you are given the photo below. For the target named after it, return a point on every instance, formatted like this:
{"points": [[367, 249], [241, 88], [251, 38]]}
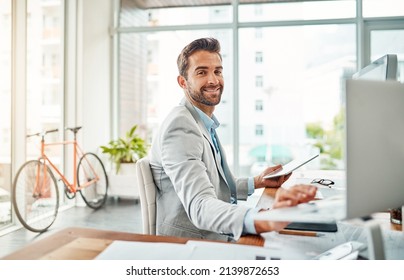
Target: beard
{"points": [[203, 95]]}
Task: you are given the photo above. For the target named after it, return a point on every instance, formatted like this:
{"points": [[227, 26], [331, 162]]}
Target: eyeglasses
{"points": [[324, 182]]}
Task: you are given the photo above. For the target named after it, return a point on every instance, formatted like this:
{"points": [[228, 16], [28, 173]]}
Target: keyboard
{"points": [[327, 210]]}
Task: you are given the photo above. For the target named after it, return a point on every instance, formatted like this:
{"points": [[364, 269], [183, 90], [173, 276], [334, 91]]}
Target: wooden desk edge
{"points": [[50, 243]]}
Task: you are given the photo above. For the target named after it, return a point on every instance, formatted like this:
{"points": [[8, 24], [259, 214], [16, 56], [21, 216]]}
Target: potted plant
{"points": [[126, 149], [123, 153]]}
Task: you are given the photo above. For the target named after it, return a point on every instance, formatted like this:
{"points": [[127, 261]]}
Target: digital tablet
{"points": [[291, 166]]}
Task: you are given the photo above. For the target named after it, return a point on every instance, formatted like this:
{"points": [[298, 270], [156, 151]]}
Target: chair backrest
{"points": [[147, 191]]}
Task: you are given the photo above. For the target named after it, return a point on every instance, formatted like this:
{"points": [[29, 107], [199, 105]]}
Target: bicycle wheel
{"points": [[92, 180], [35, 196]]}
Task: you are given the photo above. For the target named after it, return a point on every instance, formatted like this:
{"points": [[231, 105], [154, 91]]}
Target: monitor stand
{"points": [[375, 240]]}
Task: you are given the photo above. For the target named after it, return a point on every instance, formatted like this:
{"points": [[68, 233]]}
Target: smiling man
{"points": [[196, 192]]}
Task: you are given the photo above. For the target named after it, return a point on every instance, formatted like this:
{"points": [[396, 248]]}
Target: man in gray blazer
{"points": [[196, 192]]}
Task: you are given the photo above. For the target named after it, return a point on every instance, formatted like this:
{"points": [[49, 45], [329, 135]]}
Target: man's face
{"points": [[204, 84]]}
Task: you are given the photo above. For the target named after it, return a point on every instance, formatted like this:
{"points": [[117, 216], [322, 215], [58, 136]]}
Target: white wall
{"points": [[94, 73]]}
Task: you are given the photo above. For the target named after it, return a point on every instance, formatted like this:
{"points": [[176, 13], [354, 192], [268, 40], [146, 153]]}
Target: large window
{"points": [[44, 69], [388, 41], [5, 113], [385, 8], [296, 10], [43, 93], [143, 13], [302, 89], [292, 56]]}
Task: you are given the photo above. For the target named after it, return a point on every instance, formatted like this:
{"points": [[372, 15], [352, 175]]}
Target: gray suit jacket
{"points": [[193, 197]]}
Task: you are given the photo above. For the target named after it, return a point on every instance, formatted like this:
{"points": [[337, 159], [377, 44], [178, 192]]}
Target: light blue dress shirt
{"points": [[211, 124]]}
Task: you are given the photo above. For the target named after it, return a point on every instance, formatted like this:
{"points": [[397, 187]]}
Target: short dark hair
{"points": [[205, 44]]}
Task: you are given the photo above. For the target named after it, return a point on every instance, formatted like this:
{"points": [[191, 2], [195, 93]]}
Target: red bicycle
{"points": [[36, 192]]}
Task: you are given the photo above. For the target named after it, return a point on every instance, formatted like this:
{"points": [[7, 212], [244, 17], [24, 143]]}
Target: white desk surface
{"points": [[306, 247]]}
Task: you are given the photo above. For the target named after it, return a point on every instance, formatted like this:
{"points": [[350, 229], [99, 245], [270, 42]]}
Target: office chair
{"points": [[147, 191]]}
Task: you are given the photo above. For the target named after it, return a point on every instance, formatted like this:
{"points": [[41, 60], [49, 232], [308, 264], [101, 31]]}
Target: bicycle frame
{"points": [[72, 187]]}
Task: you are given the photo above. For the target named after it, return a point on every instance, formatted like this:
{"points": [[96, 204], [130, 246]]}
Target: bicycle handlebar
{"points": [[43, 133]]}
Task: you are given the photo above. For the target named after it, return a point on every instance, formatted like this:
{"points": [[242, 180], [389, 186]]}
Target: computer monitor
{"points": [[374, 157], [384, 68], [374, 154]]}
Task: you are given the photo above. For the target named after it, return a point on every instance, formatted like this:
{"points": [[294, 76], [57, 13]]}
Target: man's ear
{"points": [[182, 82]]}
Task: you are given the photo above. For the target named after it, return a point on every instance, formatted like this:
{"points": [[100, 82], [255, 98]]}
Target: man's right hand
{"points": [[286, 198], [294, 195]]}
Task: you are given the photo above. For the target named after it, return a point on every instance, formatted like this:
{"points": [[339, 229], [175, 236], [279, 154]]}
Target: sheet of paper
{"points": [[231, 251], [291, 166], [193, 250], [132, 250]]}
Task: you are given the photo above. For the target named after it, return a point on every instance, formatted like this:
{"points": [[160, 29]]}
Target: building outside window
{"points": [[258, 33], [259, 105], [259, 57], [259, 81], [259, 130]]}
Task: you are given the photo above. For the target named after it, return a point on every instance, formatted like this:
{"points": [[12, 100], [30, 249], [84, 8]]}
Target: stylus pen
{"points": [[301, 232]]}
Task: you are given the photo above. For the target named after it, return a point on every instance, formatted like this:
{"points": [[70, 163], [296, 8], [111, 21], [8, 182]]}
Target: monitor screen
{"points": [[384, 68]]}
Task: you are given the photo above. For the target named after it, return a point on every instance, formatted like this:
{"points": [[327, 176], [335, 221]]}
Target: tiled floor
{"points": [[117, 214]]}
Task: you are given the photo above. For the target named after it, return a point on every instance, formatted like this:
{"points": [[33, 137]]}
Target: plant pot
{"points": [[127, 169], [124, 184]]}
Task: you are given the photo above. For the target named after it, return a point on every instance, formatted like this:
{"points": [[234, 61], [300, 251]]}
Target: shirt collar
{"points": [[210, 123]]}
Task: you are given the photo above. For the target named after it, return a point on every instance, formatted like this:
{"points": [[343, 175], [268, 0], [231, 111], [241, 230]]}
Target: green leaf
{"points": [[126, 149]]}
